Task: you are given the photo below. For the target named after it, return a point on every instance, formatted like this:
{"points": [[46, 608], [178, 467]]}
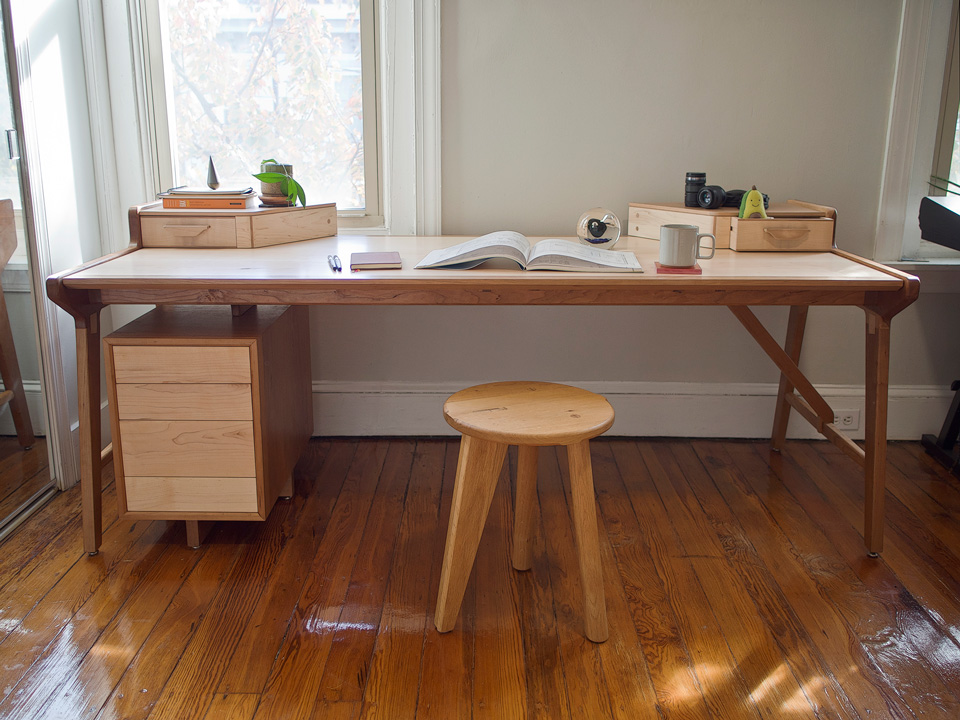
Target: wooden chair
{"points": [[9, 367], [527, 414]]}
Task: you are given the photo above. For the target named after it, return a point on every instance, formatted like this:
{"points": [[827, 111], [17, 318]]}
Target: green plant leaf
{"points": [[948, 191], [943, 185], [944, 181], [271, 177]]}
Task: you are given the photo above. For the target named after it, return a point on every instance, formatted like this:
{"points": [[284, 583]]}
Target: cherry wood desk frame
{"points": [[299, 274]]}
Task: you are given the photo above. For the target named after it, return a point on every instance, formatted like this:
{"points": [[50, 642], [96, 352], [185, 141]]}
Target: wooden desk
{"points": [[299, 274]]}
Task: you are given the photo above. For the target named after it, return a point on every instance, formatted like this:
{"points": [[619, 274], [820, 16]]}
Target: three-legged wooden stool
{"points": [[527, 414]]}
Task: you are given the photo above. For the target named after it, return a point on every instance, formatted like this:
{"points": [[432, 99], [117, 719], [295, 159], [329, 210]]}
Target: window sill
{"points": [[936, 276]]}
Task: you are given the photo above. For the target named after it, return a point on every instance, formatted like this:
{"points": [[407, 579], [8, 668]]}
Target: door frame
{"points": [[50, 324]]}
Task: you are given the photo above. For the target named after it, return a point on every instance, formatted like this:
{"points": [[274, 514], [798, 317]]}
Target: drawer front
{"points": [[171, 401], [188, 231], [787, 234], [191, 494], [181, 364], [187, 448], [646, 222]]}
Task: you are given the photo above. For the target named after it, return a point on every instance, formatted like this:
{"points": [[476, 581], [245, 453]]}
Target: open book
{"points": [[550, 254]]}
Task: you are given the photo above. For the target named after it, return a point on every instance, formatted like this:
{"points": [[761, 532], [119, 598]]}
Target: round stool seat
{"points": [[528, 413]]}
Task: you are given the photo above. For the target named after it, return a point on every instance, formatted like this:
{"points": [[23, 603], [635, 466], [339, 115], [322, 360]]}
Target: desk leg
{"points": [[88, 388], [795, 327], [875, 431]]}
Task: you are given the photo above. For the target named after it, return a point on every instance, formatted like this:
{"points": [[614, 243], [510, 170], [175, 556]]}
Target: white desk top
{"points": [[307, 261]]}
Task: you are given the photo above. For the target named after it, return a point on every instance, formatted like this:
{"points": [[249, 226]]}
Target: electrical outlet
{"points": [[846, 419]]}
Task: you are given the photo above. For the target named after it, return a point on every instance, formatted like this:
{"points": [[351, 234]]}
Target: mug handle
{"points": [[713, 246]]}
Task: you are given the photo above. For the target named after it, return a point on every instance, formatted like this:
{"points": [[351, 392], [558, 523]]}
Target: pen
{"points": [[334, 261]]}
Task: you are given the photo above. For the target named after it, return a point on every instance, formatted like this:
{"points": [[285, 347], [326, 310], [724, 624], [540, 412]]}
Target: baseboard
{"points": [[644, 409]]}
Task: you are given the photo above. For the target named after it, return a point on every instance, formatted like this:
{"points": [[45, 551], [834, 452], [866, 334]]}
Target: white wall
{"points": [[550, 108]]}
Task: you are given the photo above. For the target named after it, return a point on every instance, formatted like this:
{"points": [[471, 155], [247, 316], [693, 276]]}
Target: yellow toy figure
{"points": [[751, 206]]}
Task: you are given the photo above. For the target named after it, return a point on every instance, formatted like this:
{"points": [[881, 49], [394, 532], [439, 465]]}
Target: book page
{"points": [[188, 190], [504, 243], [555, 254]]}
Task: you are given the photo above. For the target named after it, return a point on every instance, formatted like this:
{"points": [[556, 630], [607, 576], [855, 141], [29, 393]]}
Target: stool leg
{"points": [[525, 513], [588, 541], [478, 469]]}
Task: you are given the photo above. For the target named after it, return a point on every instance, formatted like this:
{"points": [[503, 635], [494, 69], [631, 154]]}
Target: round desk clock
{"points": [[598, 228]]}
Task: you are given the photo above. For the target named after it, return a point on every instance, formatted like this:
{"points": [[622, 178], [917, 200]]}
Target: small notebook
{"points": [[374, 261]]}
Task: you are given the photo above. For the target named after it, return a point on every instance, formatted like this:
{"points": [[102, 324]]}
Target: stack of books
{"points": [[203, 198]]}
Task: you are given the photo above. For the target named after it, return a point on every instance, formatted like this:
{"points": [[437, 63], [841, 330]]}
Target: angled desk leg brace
{"points": [[813, 408], [795, 328]]}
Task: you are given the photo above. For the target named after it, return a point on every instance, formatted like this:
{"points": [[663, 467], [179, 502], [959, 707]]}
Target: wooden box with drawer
{"points": [[255, 227], [209, 411], [792, 225]]}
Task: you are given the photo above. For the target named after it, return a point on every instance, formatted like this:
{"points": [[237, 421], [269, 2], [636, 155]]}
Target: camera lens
{"points": [[711, 197], [694, 182]]}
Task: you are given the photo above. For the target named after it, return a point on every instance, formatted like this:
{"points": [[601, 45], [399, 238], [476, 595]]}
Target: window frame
{"points": [[950, 102], [915, 116], [159, 99], [408, 66]]}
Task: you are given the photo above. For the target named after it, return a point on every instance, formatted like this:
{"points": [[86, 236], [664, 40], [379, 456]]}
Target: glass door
{"points": [[26, 479]]}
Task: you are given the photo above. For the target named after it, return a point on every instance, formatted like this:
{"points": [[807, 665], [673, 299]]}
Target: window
{"points": [[247, 80], [916, 151], [946, 163]]}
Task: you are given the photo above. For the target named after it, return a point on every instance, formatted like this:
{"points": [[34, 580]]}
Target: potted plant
{"points": [[277, 186]]}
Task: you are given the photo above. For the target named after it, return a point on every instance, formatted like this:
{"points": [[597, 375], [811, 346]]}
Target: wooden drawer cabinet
{"points": [[792, 226], [782, 234], [250, 228], [190, 231], [209, 411]]}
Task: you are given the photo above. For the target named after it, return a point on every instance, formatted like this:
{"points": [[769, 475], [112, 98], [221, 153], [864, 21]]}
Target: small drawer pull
{"points": [[787, 235], [186, 230]]}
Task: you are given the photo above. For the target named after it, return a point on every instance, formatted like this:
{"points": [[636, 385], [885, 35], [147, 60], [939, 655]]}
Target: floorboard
{"points": [[736, 580]]}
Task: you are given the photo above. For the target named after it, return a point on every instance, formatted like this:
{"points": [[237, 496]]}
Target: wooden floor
{"points": [[23, 474], [737, 587]]}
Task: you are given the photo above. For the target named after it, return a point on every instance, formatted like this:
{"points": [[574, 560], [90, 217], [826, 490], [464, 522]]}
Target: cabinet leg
{"points": [[197, 531], [286, 490]]}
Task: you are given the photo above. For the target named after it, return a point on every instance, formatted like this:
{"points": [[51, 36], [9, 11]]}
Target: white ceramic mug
{"points": [[680, 245]]}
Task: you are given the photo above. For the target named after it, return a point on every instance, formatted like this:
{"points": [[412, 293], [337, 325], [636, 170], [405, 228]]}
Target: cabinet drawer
{"points": [[191, 494], [645, 221], [782, 234], [181, 364], [172, 401], [189, 231], [187, 448]]}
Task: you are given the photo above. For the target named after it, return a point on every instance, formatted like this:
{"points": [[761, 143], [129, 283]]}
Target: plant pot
{"points": [[270, 193]]}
